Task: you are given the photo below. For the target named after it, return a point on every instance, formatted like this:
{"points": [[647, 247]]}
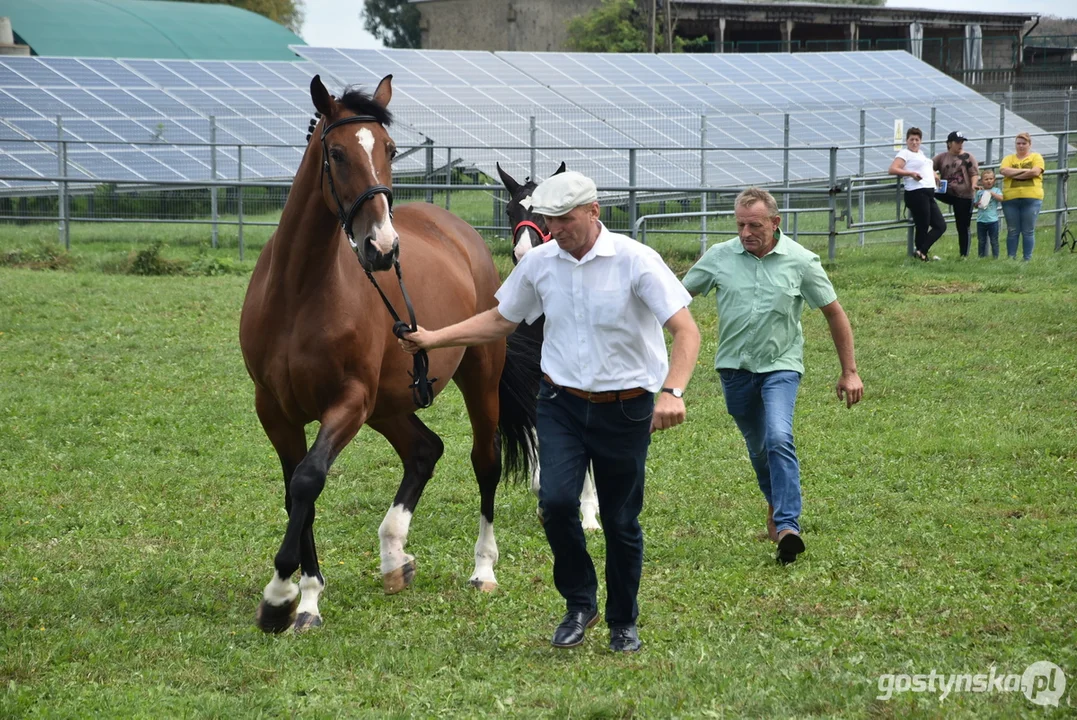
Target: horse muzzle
{"points": [[374, 259]]}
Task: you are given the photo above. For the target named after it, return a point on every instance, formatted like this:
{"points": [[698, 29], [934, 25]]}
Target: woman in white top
{"points": [[918, 175]]}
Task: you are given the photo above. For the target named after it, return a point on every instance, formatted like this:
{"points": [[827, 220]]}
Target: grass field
{"points": [[143, 506]]}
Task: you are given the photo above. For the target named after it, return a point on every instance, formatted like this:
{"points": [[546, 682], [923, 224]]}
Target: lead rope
{"points": [[422, 386]]}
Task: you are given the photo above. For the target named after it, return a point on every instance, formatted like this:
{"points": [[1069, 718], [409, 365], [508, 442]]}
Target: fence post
{"points": [[448, 174], [1002, 127], [1062, 194], [933, 111], [987, 157], [429, 168], [239, 198], [632, 192], [534, 142], [61, 199], [785, 160], [832, 243], [213, 176], [861, 197], [703, 182]]}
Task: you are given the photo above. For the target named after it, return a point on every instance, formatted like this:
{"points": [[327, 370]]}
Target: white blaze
{"points": [[523, 243], [383, 232]]}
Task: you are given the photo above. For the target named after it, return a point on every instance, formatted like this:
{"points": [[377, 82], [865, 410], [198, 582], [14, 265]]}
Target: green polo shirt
{"points": [[760, 301]]}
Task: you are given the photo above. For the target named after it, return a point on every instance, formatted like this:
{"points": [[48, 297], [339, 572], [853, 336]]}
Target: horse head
{"points": [[528, 228], [357, 175]]}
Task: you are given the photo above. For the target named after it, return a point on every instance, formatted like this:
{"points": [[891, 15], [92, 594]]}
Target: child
{"points": [[987, 203]]}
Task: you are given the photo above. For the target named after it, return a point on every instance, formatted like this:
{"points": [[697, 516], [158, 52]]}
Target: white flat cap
{"points": [[559, 194]]}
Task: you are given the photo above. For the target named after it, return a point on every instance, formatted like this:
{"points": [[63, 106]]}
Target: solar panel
{"points": [[481, 105]]}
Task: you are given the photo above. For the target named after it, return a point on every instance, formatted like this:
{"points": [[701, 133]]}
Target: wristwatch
{"points": [[675, 392]]}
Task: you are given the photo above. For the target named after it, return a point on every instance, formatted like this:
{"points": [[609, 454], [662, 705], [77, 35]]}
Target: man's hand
{"points": [[413, 342], [850, 389], [668, 412]]}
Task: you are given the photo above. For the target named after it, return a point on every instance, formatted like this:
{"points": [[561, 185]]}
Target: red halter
{"points": [[528, 224]]}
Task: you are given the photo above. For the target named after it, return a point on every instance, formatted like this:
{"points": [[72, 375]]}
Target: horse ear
{"points": [[323, 101], [510, 183], [384, 93], [561, 169]]}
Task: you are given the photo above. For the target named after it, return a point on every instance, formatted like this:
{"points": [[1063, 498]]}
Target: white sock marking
{"points": [[486, 553], [280, 591], [311, 588], [393, 535]]}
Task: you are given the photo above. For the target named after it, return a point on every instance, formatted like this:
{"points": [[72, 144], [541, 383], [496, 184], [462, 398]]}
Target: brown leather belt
{"points": [[599, 397]]}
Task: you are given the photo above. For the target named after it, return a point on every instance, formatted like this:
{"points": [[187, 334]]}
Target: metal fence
{"points": [[854, 199]]}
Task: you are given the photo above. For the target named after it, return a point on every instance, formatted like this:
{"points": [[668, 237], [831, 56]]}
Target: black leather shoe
{"points": [[789, 546], [570, 632], [624, 639]]}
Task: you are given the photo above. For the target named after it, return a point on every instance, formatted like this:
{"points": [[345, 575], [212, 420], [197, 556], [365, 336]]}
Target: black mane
{"points": [[362, 104]]}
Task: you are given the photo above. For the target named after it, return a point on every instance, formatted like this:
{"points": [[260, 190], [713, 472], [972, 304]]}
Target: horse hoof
{"points": [[275, 618], [399, 579], [306, 621], [483, 585], [591, 525]]}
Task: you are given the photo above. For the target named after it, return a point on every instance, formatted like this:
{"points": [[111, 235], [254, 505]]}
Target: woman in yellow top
{"points": [[1022, 195]]}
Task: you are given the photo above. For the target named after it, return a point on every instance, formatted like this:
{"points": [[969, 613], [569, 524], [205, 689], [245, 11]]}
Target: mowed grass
{"points": [[143, 506]]}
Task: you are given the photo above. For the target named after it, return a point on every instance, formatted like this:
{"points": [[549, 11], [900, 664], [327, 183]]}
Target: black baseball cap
{"points": [[956, 136]]}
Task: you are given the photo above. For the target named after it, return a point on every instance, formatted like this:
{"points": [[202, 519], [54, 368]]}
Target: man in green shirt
{"points": [[762, 279]]}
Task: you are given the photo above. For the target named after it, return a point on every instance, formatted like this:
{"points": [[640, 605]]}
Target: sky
{"points": [[337, 23]]}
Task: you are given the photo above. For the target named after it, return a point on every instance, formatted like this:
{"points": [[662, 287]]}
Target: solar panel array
{"points": [[660, 101], [149, 120]]}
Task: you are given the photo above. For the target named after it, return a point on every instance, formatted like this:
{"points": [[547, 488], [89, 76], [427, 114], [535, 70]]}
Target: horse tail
{"points": [[518, 398]]}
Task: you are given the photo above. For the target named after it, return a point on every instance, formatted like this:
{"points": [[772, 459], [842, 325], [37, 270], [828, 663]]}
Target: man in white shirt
{"points": [[606, 299]]}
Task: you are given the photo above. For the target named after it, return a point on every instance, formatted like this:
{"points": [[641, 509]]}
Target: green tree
{"points": [[394, 22], [621, 26], [288, 13]]}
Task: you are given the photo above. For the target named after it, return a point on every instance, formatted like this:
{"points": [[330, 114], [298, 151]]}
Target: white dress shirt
{"points": [[604, 313]]}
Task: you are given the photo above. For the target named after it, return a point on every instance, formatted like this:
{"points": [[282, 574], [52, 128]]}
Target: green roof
{"points": [[147, 29]]}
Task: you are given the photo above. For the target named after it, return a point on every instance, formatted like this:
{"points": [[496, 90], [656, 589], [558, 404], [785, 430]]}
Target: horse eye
{"points": [[336, 154], [392, 154]]}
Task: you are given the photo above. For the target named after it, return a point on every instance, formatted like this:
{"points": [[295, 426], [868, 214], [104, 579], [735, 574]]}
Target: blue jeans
{"points": [[762, 406], [1021, 220], [614, 437], [987, 234]]}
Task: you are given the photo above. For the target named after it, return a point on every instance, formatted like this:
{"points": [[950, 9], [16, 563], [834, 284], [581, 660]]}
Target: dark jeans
{"points": [[987, 234], [614, 438], [962, 219], [926, 216]]}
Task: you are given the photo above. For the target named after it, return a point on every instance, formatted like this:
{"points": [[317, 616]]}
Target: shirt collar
{"points": [[603, 247], [780, 248]]}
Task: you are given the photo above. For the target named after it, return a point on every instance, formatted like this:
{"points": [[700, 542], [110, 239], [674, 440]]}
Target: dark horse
{"points": [[318, 343], [529, 231]]}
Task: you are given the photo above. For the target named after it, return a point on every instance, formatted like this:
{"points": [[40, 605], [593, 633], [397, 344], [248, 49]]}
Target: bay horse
{"points": [[529, 231], [317, 341]]}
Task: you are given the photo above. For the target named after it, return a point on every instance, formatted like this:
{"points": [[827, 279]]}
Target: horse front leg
{"points": [[281, 606], [419, 449]]}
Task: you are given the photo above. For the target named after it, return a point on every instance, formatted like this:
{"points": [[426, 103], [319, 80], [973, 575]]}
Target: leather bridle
{"points": [[529, 224], [422, 386], [347, 217]]}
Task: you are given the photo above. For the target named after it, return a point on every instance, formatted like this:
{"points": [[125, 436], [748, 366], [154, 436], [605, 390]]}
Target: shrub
{"points": [[150, 262], [43, 256]]}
